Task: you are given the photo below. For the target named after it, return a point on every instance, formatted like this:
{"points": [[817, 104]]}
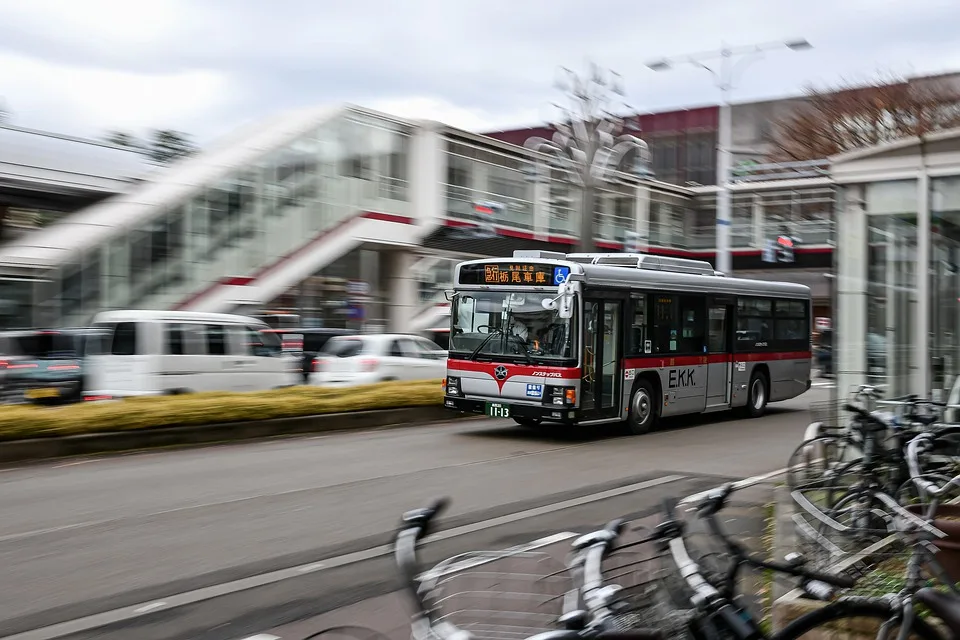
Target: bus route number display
{"points": [[530, 275]]}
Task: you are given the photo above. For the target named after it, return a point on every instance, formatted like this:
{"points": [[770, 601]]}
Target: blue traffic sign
{"points": [[560, 275]]}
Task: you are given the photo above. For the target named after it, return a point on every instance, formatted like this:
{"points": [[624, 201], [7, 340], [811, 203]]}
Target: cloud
{"points": [[205, 65], [91, 100]]}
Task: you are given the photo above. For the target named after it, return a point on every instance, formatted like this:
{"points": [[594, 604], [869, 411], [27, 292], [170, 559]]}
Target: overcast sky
{"points": [[206, 66]]}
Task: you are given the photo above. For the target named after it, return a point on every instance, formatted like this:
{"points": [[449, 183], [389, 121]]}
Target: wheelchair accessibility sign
{"points": [[560, 275]]}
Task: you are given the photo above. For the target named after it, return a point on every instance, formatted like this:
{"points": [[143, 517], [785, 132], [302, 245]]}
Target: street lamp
{"points": [[724, 77], [590, 142]]}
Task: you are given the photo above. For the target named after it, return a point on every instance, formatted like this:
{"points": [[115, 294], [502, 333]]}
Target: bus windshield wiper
{"points": [[495, 332], [523, 348]]}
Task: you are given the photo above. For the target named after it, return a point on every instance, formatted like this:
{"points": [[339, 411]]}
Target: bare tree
{"points": [[847, 117]]}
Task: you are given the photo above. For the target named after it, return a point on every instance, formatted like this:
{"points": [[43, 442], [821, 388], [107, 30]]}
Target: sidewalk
{"points": [[745, 518]]}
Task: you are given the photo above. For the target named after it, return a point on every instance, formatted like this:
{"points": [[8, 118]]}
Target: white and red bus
{"points": [[594, 338]]}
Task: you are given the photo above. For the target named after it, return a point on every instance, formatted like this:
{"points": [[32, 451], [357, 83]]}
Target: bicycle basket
{"points": [[652, 589], [505, 595]]}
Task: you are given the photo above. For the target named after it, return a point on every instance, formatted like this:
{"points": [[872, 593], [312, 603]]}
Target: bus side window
{"points": [[754, 323], [692, 324], [638, 327], [665, 329]]}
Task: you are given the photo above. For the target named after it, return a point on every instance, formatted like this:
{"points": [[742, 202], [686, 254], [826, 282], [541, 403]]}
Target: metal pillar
{"points": [[725, 141]]}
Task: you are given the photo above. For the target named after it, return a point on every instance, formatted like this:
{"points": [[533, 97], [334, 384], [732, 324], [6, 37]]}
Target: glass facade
{"points": [[891, 277], [900, 268], [252, 216], [945, 281], [346, 294]]}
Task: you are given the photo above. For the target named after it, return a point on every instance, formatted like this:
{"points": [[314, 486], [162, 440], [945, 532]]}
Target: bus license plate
{"points": [[497, 410]]}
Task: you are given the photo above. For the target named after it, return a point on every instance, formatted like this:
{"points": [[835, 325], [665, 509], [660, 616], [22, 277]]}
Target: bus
{"points": [[552, 338]]}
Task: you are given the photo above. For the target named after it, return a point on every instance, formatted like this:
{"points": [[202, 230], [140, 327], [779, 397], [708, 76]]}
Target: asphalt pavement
{"points": [[222, 541]]}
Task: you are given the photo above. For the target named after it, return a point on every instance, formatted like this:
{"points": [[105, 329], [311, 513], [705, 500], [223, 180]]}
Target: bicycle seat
{"points": [[945, 606]]}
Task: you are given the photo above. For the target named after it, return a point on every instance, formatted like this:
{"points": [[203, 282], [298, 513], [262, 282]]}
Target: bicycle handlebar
{"points": [[921, 444], [415, 525]]}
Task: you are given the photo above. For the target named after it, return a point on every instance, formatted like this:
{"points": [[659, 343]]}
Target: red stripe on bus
{"points": [[512, 369], [688, 361], [673, 361], [782, 355]]}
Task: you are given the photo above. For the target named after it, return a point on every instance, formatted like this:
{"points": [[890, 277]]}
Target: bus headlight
{"points": [[453, 386], [561, 396]]}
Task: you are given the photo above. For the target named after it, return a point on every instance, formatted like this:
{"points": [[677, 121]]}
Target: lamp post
{"points": [[725, 76], [590, 142]]}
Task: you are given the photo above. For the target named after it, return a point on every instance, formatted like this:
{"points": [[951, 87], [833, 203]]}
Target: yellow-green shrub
{"points": [[27, 421]]}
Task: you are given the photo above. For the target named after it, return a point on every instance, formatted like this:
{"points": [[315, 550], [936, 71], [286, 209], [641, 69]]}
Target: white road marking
{"points": [[475, 561], [73, 464], [262, 636], [740, 484], [153, 606], [95, 621], [311, 567]]}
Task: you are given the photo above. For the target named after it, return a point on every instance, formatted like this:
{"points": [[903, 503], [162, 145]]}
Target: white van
{"points": [[169, 352]]}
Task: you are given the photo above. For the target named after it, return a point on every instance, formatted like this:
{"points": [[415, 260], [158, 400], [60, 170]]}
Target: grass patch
{"points": [[19, 422], [767, 576]]}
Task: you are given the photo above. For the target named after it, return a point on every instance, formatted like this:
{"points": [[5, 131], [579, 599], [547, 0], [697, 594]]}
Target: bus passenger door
{"points": [[720, 362], [600, 392]]}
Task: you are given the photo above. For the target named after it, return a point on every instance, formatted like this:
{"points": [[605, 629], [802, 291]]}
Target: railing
{"points": [[461, 205], [781, 171]]}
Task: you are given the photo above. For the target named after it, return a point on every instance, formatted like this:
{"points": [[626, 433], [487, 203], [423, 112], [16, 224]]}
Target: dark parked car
{"points": [[307, 343], [876, 347]]}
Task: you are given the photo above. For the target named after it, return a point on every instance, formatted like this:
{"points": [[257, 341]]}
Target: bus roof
{"points": [[649, 271]]}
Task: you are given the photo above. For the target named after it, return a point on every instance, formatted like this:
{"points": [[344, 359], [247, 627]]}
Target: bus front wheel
{"points": [[643, 413], [757, 394]]}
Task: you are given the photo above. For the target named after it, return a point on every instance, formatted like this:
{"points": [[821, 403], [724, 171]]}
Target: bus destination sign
{"points": [[513, 274]]}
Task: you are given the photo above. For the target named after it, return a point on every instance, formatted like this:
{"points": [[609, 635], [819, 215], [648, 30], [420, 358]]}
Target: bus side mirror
{"points": [[562, 304]]}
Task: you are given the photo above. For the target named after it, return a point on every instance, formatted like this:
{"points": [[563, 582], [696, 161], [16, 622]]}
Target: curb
{"points": [[118, 441]]}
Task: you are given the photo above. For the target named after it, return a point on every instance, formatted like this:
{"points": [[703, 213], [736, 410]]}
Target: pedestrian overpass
{"points": [[241, 223]]}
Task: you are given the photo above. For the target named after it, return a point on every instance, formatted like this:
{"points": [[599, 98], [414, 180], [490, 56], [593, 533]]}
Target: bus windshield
{"points": [[502, 323]]}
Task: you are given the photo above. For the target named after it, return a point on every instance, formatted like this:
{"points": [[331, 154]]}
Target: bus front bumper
{"points": [[522, 411]]}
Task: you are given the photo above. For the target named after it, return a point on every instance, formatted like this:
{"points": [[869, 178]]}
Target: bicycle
{"points": [[880, 474], [721, 617], [871, 443], [597, 620]]}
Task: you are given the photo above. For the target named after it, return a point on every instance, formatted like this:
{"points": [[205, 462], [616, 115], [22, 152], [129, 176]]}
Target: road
{"points": [[85, 536]]}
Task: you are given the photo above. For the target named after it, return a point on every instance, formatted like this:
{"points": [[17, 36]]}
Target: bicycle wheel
{"points": [[855, 615], [815, 461]]}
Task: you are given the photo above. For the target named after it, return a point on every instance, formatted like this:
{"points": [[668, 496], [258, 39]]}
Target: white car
{"points": [[372, 358]]}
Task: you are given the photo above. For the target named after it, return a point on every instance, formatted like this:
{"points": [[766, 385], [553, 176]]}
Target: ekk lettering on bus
{"points": [[679, 378]]}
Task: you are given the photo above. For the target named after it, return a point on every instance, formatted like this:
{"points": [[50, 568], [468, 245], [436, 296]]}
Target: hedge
{"points": [[18, 422]]}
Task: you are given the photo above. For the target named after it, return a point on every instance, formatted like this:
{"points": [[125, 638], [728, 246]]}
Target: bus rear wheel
{"points": [[643, 412], [757, 394]]}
